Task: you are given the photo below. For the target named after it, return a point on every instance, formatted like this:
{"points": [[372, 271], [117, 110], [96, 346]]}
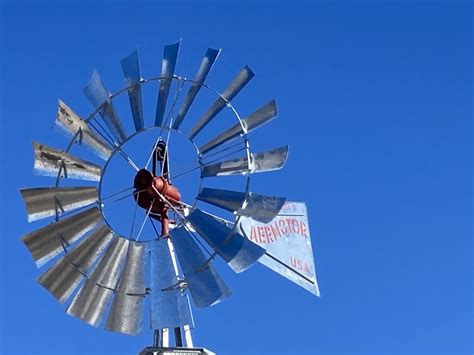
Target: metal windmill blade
{"points": [[240, 253], [72, 126], [131, 72], [126, 315], [110, 276], [91, 301], [64, 276], [169, 304], [53, 162], [239, 82], [205, 284], [263, 115], [259, 162], [170, 56], [46, 202], [204, 69], [49, 241], [258, 207], [99, 97]]}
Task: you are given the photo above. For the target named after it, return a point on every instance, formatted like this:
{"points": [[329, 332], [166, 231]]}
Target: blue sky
{"points": [[375, 101]]}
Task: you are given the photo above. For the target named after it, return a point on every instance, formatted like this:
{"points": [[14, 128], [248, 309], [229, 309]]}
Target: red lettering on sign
{"points": [[296, 226], [282, 227], [253, 236], [304, 229], [268, 232], [273, 231], [261, 234], [296, 263], [276, 231]]}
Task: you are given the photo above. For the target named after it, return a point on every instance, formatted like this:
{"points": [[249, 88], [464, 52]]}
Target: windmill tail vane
{"points": [[108, 277]]}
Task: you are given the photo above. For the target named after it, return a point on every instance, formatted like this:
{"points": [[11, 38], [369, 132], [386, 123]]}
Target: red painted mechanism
{"points": [[147, 194]]}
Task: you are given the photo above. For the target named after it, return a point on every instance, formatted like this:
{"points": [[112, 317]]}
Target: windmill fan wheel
{"points": [[107, 275]]}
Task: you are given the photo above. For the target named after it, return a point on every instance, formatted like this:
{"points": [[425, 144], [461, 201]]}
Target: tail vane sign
{"points": [[288, 244]]}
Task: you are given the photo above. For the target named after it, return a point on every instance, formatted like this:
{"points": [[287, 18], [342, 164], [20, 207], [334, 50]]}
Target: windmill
{"points": [[106, 275]]}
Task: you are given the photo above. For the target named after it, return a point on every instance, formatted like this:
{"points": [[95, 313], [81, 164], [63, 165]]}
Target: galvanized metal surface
{"points": [[169, 305], [226, 199], [239, 82], [69, 123], [204, 283], [288, 243], [91, 301], [259, 162], [263, 115], [204, 69], [64, 276], [131, 72], [43, 202], [270, 160], [170, 56], [47, 242], [259, 207], [50, 161], [262, 208], [98, 95], [237, 166], [188, 336], [239, 252], [126, 314], [165, 337]]}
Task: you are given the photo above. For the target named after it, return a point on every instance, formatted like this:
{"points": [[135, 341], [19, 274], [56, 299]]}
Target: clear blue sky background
{"points": [[375, 101]]}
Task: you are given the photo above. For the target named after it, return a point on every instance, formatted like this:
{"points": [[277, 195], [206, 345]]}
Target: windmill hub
{"points": [[174, 161], [158, 188], [156, 194]]}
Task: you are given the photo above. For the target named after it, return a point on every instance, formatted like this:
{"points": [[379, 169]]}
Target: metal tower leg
{"points": [[177, 336], [165, 336], [156, 338], [188, 337]]}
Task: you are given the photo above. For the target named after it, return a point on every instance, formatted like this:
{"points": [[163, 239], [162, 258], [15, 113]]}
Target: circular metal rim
{"points": [[117, 146], [116, 150]]}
